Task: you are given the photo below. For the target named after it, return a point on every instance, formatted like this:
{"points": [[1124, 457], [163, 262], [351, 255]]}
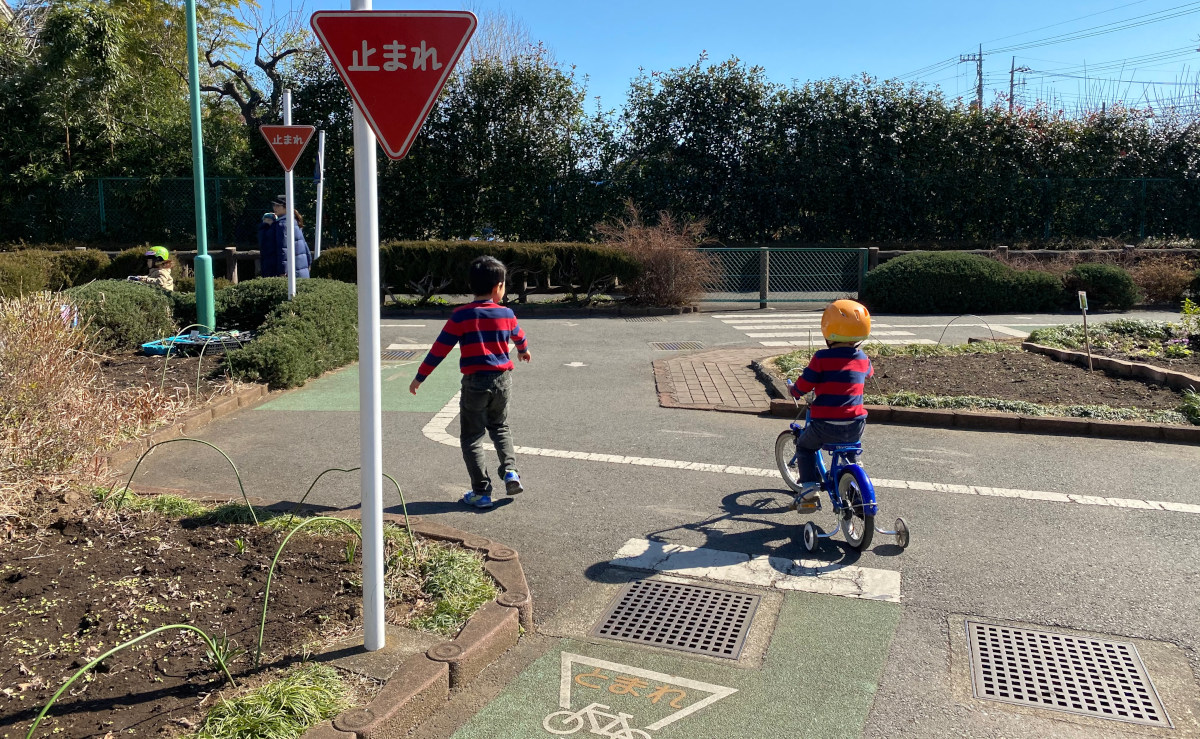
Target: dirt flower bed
{"points": [[98, 578], [181, 379], [1001, 377], [1172, 345]]}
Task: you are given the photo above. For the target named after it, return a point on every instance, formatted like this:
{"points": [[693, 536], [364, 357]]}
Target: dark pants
{"points": [[483, 408], [816, 435]]}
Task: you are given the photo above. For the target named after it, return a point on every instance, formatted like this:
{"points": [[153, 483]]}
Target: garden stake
{"points": [[296, 508], [241, 487], [208, 643], [163, 383], [1087, 341], [403, 504], [404, 508], [262, 626], [966, 315]]}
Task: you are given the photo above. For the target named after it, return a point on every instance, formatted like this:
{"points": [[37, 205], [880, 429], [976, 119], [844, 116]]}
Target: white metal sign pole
{"points": [[289, 196], [320, 191], [366, 210]]}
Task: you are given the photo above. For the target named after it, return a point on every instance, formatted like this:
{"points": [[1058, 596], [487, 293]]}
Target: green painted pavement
{"points": [[339, 391], [819, 680]]}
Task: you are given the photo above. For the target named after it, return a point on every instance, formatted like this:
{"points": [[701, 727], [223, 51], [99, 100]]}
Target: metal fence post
{"points": [[864, 263], [872, 258], [103, 217], [764, 275]]}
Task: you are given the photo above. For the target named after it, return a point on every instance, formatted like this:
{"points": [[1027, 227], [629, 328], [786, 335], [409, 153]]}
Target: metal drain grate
{"points": [[646, 319], [393, 355], [1081, 675], [676, 346], [684, 617]]}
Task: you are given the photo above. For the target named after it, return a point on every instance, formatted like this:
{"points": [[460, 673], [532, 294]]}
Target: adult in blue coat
{"points": [[273, 243]]}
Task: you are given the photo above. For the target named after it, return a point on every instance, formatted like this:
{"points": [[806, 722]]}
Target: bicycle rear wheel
{"points": [[785, 459], [859, 527]]}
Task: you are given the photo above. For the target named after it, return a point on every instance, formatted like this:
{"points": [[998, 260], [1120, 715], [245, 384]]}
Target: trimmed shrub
{"points": [[338, 263], [953, 282], [24, 272], [246, 305], [124, 314], [132, 261], [302, 338], [1107, 285], [71, 268], [1162, 279], [187, 284]]}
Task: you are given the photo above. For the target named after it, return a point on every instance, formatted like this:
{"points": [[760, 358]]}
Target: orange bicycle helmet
{"points": [[846, 321]]}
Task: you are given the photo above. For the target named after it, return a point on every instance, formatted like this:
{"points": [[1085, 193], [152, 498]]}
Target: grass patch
{"points": [[282, 709], [452, 577], [793, 363], [907, 399]]}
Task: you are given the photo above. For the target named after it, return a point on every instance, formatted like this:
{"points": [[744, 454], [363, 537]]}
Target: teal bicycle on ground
{"points": [[851, 494]]}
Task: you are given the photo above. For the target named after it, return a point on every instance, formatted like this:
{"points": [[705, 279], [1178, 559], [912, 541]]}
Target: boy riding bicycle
{"points": [[836, 375]]}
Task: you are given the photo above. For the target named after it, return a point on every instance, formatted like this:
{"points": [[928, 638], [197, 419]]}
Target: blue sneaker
{"points": [[478, 500], [512, 483]]}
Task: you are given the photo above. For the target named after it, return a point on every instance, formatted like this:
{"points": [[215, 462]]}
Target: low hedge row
{"points": [[426, 268], [953, 282], [299, 339], [124, 314]]}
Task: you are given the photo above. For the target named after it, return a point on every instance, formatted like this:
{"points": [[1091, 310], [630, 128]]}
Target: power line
{"points": [[1122, 81], [1142, 20], [1063, 23]]}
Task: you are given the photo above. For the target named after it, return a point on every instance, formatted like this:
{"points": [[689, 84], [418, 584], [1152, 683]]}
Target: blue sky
{"points": [[608, 41]]}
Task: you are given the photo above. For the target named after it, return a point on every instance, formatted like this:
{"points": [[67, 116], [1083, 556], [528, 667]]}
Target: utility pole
{"points": [[1012, 73], [978, 59]]}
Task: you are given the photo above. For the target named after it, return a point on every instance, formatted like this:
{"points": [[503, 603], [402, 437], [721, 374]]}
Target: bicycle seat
{"points": [[855, 448]]}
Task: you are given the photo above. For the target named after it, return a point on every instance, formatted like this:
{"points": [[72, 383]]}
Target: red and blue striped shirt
{"points": [[482, 330], [838, 376]]}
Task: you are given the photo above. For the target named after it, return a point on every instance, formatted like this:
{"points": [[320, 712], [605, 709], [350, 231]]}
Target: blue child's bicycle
{"points": [[851, 494]]}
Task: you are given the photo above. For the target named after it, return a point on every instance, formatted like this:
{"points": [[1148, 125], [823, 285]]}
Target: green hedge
{"points": [[441, 266], [124, 314], [35, 270], [246, 305], [1108, 286], [953, 282], [301, 338]]}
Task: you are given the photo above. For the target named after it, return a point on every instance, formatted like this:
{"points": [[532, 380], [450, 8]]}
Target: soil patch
{"points": [[86, 585], [1016, 376], [1189, 365], [139, 370]]}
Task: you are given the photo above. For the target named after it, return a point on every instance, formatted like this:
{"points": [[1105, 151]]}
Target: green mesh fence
{"points": [[785, 275]]}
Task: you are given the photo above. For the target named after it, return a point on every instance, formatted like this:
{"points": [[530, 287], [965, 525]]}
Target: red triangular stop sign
{"points": [[288, 142], [394, 63]]}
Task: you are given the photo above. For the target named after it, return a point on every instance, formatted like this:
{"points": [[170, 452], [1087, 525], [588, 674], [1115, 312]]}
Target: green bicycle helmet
{"points": [[159, 252]]}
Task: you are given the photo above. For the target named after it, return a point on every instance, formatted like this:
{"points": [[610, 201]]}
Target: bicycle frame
{"points": [[839, 461]]}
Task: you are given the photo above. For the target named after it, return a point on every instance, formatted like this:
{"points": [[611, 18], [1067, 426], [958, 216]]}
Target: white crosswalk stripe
{"points": [[802, 330]]}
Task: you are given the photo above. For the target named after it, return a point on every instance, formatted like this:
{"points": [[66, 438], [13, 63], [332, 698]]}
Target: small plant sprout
{"points": [[240, 545], [225, 650], [350, 551]]}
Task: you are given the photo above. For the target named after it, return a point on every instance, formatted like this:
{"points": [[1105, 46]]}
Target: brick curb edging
{"points": [[198, 419], [1122, 368], [424, 681]]}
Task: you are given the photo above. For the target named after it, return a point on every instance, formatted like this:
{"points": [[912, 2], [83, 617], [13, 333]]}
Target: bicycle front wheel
{"points": [[562, 723], [860, 527], [785, 459]]}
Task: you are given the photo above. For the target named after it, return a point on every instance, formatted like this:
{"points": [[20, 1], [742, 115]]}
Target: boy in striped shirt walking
{"points": [[482, 329], [836, 375]]}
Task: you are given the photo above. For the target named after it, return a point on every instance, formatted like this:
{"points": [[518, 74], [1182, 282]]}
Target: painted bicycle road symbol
{"points": [[566, 722], [652, 691]]}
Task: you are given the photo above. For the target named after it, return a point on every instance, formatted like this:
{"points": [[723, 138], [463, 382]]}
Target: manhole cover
{"points": [[684, 617], [1092, 677], [393, 355], [646, 319], [676, 346]]}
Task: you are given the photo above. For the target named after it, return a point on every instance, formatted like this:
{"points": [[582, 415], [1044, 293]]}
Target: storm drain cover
{"points": [[684, 617], [676, 346], [1082, 675], [394, 355], [645, 319]]}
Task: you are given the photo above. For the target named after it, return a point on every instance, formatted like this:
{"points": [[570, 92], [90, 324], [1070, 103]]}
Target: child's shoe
{"points": [[479, 500], [808, 501], [512, 483]]}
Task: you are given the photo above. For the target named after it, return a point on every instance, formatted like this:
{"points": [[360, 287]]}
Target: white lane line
{"points": [[395, 347], [768, 315], [786, 334], [808, 575], [1011, 331], [821, 342], [435, 430]]}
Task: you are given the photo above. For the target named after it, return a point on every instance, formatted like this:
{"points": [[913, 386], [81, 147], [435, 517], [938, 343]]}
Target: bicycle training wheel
{"points": [[860, 528], [785, 459]]}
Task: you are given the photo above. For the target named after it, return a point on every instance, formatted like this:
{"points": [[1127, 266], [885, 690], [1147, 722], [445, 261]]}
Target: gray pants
{"points": [[483, 408], [816, 435]]}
